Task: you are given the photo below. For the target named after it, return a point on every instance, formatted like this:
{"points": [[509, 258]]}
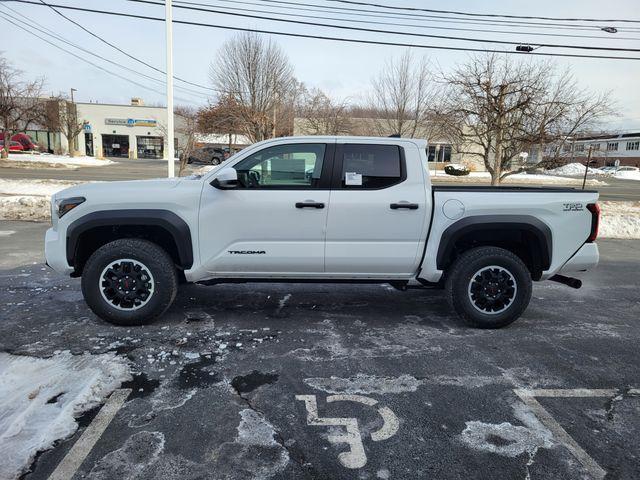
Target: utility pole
{"points": [[170, 148]]}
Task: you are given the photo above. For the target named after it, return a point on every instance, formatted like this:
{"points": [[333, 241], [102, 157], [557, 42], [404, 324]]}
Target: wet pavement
{"points": [[348, 381]]}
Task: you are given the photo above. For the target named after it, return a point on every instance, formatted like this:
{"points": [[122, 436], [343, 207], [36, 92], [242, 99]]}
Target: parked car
{"points": [[26, 141], [367, 213], [13, 146], [609, 170], [207, 156], [627, 169]]}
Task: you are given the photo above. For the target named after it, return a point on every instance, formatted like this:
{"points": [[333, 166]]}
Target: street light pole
{"points": [[169, 150]]}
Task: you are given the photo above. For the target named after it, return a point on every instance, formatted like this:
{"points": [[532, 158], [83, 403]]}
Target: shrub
{"points": [[456, 170]]}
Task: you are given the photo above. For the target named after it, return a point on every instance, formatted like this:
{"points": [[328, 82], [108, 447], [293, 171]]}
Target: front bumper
{"points": [[55, 252], [584, 259]]}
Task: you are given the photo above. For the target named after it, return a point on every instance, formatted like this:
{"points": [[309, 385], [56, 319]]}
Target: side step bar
{"points": [[568, 281]]}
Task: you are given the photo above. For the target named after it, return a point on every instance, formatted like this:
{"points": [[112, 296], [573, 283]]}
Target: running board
{"points": [[568, 281]]}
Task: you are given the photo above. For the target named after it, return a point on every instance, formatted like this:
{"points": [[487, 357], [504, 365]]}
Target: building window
{"points": [[439, 153], [431, 153], [566, 147], [580, 147], [595, 146], [612, 146], [633, 145], [150, 147]]}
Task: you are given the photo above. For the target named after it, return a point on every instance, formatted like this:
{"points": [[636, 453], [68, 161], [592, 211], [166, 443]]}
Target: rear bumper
{"points": [[55, 252], [584, 259]]}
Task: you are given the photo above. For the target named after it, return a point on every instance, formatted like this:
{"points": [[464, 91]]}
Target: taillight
{"points": [[594, 208]]}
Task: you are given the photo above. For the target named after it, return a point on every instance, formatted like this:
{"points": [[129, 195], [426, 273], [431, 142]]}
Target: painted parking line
{"points": [[560, 434], [67, 468]]}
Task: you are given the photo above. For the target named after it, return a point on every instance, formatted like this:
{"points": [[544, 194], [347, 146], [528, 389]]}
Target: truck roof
{"points": [[420, 143]]}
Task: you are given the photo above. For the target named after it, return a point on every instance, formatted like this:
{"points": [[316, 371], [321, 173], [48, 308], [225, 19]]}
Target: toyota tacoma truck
{"points": [[320, 209]]}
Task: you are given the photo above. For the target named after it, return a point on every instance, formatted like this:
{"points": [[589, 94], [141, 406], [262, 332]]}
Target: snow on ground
{"points": [[627, 175], [620, 220], [28, 199], [574, 170], [57, 160], [40, 399], [33, 187]]}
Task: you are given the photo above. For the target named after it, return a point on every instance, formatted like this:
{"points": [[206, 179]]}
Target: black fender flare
{"points": [[165, 219], [502, 223]]}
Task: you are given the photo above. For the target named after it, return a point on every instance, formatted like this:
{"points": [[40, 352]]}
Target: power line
{"points": [[10, 21], [119, 49], [375, 30], [422, 26], [46, 31], [474, 14], [337, 39], [445, 18]]}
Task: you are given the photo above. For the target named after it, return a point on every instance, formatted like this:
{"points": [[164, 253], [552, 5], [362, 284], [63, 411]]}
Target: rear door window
{"points": [[369, 167]]}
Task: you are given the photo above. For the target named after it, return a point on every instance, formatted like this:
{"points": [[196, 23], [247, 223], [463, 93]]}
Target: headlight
{"points": [[65, 205]]}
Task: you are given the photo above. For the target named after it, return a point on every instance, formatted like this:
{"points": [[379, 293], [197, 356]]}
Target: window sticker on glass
{"points": [[352, 178]]}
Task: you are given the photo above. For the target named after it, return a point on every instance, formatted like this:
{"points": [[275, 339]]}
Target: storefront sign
{"points": [[131, 122]]}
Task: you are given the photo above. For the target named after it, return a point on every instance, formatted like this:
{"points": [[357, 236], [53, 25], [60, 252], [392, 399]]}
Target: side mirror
{"points": [[226, 179]]}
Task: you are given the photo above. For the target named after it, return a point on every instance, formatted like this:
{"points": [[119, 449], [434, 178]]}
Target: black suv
{"points": [[207, 156]]}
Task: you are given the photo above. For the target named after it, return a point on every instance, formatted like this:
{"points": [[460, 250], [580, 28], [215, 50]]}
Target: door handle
{"points": [[407, 205], [309, 205]]}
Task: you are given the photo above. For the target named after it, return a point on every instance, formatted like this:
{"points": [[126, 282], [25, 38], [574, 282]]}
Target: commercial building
{"points": [[605, 149], [129, 131]]}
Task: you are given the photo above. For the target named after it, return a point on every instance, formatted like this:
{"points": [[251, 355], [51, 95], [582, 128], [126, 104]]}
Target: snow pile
{"points": [[57, 160], [573, 170], [518, 178], [28, 199], [626, 175], [40, 398], [24, 207], [40, 188], [619, 220]]}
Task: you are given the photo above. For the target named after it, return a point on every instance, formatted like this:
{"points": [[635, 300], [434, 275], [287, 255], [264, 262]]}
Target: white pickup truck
{"points": [[320, 209]]}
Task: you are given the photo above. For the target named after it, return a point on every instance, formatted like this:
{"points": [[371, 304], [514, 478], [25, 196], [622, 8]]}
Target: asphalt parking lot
{"points": [[347, 381]]}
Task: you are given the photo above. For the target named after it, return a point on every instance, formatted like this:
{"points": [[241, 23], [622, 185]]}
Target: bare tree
{"points": [[60, 115], [220, 118], [404, 94], [186, 126], [20, 102], [257, 75], [321, 115], [498, 108]]}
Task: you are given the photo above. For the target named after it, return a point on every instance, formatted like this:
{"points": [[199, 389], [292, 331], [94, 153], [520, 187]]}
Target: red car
{"points": [[25, 141], [13, 146]]}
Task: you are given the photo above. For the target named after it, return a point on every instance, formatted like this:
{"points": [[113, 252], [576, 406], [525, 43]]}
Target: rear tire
{"points": [[488, 287], [129, 282]]}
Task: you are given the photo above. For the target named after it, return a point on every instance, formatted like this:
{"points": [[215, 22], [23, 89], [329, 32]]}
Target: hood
{"points": [[123, 189]]}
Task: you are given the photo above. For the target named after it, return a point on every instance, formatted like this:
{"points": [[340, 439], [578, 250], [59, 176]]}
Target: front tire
{"points": [[129, 282], [488, 287]]}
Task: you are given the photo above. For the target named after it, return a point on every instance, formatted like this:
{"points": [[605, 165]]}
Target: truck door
{"points": [[273, 223], [377, 212]]}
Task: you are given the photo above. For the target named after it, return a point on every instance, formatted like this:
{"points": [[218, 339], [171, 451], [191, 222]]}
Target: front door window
{"points": [[294, 166]]}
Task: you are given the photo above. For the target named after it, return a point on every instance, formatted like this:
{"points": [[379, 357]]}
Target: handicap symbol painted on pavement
{"points": [[355, 457]]}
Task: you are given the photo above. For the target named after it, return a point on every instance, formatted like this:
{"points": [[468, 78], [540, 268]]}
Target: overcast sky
{"points": [[341, 69]]}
